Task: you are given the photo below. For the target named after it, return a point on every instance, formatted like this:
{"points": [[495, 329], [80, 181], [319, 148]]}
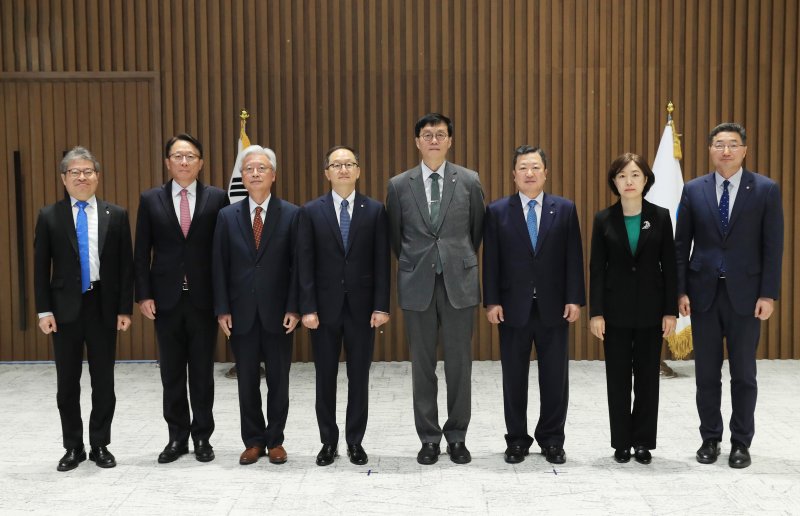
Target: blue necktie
{"points": [[724, 202], [344, 222], [533, 229], [82, 228]]}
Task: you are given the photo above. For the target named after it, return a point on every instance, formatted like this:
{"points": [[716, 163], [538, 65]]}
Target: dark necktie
{"points": [[258, 225], [724, 202], [186, 218], [533, 228], [344, 222], [436, 198], [82, 229]]}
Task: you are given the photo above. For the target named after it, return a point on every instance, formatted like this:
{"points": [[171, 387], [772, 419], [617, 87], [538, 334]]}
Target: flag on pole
{"points": [[666, 192], [236, 189]]}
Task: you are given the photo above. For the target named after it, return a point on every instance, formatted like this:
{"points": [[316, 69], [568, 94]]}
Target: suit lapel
{"points": [[169, 207], [449, 178], [549, 214], [246, 226], [710, 193], [645, 226], [199, 206], [417, 184], [355, 223], [743, 196], [517, 219], [103, 218], [271, 219], [67, 222], [619, 228], [329, 211]]}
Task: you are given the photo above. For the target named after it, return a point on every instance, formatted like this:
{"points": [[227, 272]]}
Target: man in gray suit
{"points": [[436, 224]]}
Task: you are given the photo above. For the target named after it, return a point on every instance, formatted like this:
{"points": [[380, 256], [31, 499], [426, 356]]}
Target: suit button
{"points": [[342, 282], [433, 266], [633, 268]]}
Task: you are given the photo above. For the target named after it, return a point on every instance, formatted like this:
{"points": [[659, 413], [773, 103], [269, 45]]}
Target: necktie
{"points": [[533, 229], [724, 202], [436, 197], [258, 225], [82, 229], [186, 218], [344, 222]]}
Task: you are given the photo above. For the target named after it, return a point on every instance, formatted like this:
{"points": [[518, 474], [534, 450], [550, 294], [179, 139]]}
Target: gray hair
{"points": [[264, 151], [75, 154]]}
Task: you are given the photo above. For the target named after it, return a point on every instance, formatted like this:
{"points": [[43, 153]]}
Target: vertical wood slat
{"points": [[585, 80]]}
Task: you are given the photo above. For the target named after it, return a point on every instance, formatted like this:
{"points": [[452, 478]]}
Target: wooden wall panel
{"points": [[584, 79]]}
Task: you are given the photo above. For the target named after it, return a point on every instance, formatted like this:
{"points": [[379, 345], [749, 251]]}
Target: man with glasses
{"points": [[174, 234], [435, 224], [255, 300], [343, 267], [729, 244], [83, 282]]}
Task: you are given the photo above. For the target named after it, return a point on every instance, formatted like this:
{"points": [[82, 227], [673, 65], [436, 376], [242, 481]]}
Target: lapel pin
{"points": [[108, 212], [551, 212], [646, 224]]}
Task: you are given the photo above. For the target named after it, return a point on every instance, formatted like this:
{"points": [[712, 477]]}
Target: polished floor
{"points": [[393, 483]]}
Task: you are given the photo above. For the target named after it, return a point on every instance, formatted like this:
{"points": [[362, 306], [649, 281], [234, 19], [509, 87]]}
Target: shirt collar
{"points": [[254, 205], [426, 172], [525, 199], [176, 188], [92, 201], [337, 199], [735, 179]]}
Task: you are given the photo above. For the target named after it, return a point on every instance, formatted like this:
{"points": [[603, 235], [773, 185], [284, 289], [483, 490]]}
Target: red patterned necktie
{"points": [[186, 218], [258, 225]]}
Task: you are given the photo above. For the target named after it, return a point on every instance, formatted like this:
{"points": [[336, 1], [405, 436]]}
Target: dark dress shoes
{"points": [[326, 455], [622, 456], [459, 453], [554, 454], [515, 453], [71, 459], [102, 457], [428, 454], [357, 454], [642, 455], [172, 451], [708, 452], [203, 451], [739, 457]]}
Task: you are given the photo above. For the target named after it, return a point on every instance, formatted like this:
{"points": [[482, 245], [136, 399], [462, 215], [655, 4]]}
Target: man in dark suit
{"points": [[255, 299], [533, 288], [172, 260], [436, 224], [343, 267], [83, 281], [729, 243]]}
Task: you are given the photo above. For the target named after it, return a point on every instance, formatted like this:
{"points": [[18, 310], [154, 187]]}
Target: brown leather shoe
{"points": [[251, 455], [277, 455]]}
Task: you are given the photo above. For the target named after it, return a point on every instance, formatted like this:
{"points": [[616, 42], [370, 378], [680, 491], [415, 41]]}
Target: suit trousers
{"points": [[186, 339], [358, 338], [423, 331], [101, 348], [741, 333], [275, 350], [637, 350], [552, 351]]}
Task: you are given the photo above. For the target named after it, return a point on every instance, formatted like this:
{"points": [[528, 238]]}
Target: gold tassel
{"points": [[681, 343]]}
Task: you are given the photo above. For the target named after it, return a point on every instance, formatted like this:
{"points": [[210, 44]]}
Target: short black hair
{"points": [[433, 119], [727, 127], [621, 162], [334, 149], [186, 138], [528, 149]]}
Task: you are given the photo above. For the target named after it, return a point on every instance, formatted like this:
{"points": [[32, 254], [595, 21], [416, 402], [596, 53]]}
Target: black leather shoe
{"points": [[102, 457], [71, 459], [554, 454], [326, 455], [622, 456], [515, 453], [172, 451], [708, 452], [357, 454], [203, 451], [642, 455], [459, 453], [428, 454], [739, 457]]}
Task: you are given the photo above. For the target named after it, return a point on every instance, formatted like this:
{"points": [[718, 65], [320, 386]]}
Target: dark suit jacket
{"points": [[512, 271], [163, 256], [752, 248], [327, 271], [57, 265], [249, 280], [633, 290]]}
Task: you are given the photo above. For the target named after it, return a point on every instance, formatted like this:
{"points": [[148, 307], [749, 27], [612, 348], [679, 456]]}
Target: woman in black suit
{"points": [[633, 303]]}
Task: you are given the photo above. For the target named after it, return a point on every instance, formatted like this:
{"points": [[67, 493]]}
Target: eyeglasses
{"points": [[440, 136], [338, 166], [75, 173], [177, 158], [260, 169], [719, 146]]}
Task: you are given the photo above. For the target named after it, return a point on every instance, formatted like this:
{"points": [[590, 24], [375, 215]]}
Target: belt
{"points": [[185, 286], [93, 285]]}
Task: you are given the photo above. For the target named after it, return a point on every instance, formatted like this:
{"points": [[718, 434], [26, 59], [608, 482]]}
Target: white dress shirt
{"points": [[254, 205], [426, 176], [733, 188], [337, 204], [537, 209], [191, 195]]}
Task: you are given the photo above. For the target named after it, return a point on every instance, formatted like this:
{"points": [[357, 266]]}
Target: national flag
{"points": [[236, 189]]}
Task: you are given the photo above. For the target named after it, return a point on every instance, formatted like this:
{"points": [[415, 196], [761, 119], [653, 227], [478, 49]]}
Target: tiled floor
{"points": [[393, 483]]}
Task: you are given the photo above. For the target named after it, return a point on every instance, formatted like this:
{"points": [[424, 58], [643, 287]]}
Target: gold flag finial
{"points": [[244, 115], [676, 140], [670, 108]]}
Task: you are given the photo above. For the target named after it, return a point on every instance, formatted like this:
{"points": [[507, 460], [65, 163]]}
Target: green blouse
{"points": [[633, 225]]}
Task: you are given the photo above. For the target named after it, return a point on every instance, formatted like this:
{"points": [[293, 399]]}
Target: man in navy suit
{"points": [[533, 288], [255, 299], [728, 282], [172, 260], [343, 267]]}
